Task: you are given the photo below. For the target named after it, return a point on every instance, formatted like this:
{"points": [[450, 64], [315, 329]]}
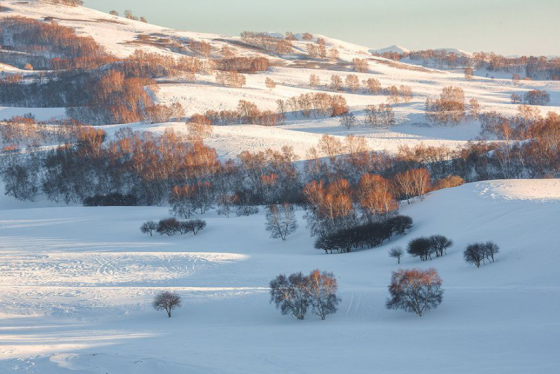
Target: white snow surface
{"points": [[76, 285]]}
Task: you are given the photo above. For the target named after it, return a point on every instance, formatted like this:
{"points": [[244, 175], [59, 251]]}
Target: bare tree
{"points": [[490, 250], [348, 120], [396, 252], [167, 301], [352, 82], [148, 227], [270, 83], [291, 294], [281, 220], [336, 82], [420, 247], [474, 254], [440, 244], [314, 80], [415, 291], [322, 290]]}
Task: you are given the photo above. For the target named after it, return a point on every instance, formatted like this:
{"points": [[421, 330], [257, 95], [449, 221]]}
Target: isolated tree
{"points": [[360, 65], [348, 120], [281, 220], [314, 80], [396, 252], [440, 244], [148, 227], [291, 294], [372, 86], [333, 53], [415, 291], [167, 301], [474, 108], [352, 82], [114, 13], [270, 83], [336, 83], [420, 247], [322, 293], [469, 73], [128, 14], [475, 254]]}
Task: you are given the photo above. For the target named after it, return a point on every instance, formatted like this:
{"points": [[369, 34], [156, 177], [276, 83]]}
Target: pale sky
{"points": [[530, 27]]}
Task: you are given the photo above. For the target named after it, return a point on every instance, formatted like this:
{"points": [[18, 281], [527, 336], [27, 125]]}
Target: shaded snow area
{"points": [[76, 286]]}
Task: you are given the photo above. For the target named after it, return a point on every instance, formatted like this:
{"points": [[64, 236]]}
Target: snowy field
{"points": [[76, 286], [76, 283]]}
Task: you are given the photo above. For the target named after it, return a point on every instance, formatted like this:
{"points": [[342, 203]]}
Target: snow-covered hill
{"points": [[122, 36], [391, 49], [76, 285]]}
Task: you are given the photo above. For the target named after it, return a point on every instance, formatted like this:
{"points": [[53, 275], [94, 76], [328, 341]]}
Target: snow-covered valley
{"points": [[77, 285]]}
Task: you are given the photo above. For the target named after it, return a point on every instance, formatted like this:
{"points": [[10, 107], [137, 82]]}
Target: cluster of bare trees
{"points": [[66, 2], [449, 108], [172, 226], [362, 235], [381, 115], [20, 131], [360, 65], [535, 67], [318, 104], [296, 294], [341, 183], [267, 42], [317, 49], [341, 205], [397, 95], [58, 45], [536, 97], [128, 15], [230, 79], [243, 64], [425, 247], [479, 253], [351, 83]]}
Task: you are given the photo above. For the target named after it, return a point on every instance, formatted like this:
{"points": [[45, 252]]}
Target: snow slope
{"points": [[76, 285], [121, 37]]}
